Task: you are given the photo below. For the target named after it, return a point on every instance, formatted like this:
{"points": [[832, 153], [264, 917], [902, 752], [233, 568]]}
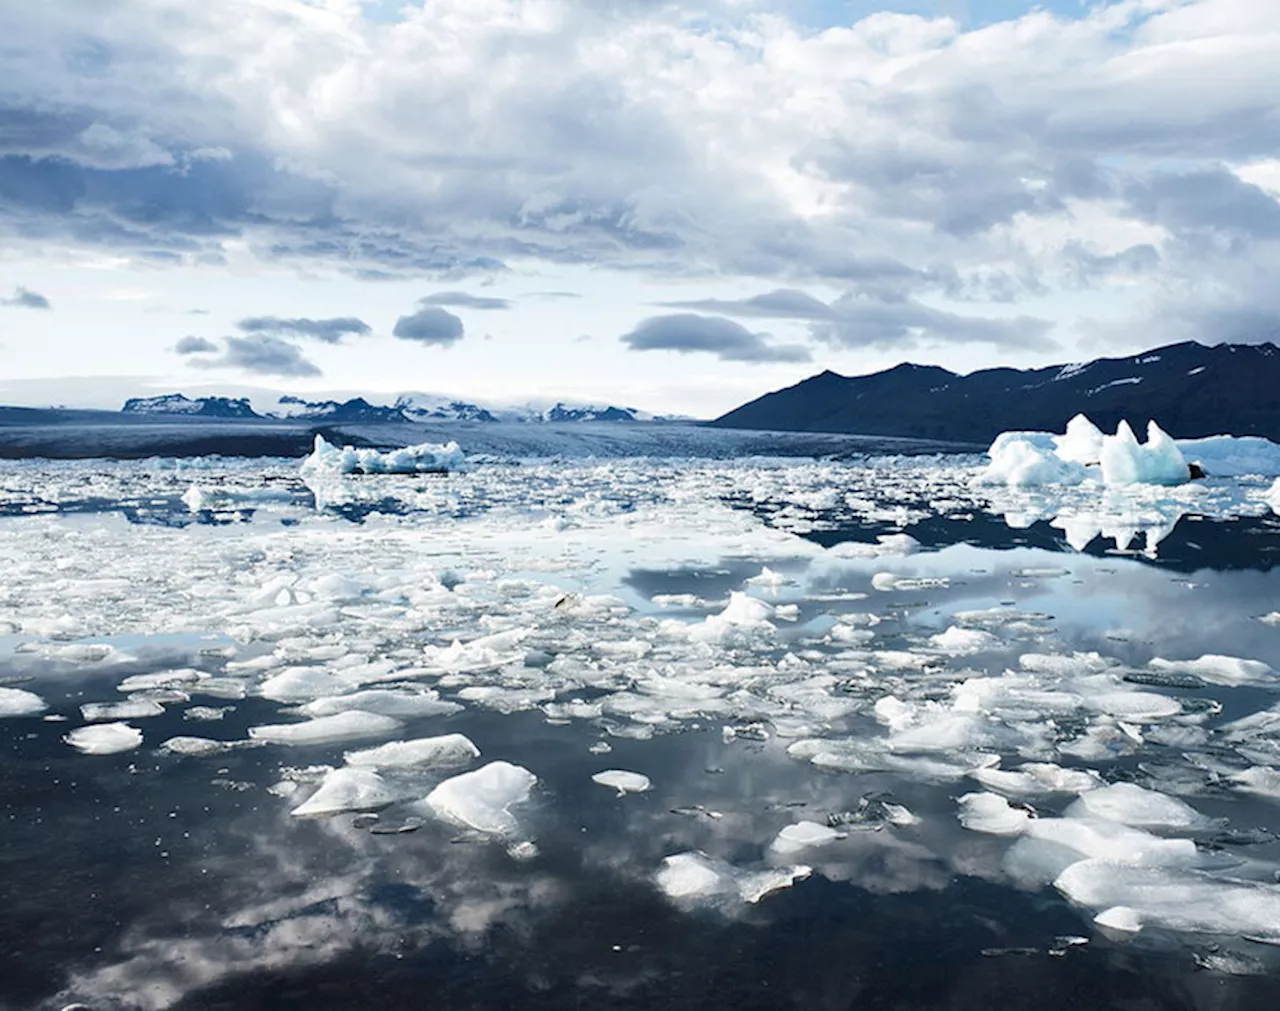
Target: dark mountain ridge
{"points": [[1190, 389]]}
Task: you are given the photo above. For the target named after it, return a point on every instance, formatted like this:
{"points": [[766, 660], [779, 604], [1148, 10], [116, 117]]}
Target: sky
{"points": [[669, 206]]}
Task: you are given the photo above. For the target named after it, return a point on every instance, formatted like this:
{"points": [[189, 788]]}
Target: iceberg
{"points": [[17, 702], [426, 752], [346, 790], [622, 781], [424, 458], [1125, 461]]}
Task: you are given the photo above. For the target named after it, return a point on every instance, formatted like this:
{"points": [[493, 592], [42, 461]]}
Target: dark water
{"points": [[151, 880]]}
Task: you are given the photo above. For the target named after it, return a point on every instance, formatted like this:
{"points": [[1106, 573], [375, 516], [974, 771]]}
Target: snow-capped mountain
{"points": [[204, 407], [414, 407]]}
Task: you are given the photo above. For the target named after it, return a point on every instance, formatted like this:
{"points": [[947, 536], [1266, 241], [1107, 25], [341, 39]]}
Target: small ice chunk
{"points": [[768, 580], [105, 738], [1130, 804], [1017, 460], [179, 678], [404, 704], [425, 458], [322, 729], [957, 641], [1106, 840], [426, 752], [1123, 919], [691, 876], [1034, 779], [346, 790], [1258, 779], [17, 702], [1229, 671], [991, 813], [622, 781], [756, 885], [302, 684], [133, 709], [195, 746], [482, 799], [802, 835], [744, 615]]}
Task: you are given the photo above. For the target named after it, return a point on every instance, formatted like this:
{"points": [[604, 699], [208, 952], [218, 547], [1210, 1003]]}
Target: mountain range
{"points": [[1191, 390], [418, 407]]}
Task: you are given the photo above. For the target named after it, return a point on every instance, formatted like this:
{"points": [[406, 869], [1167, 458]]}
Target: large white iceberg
{"points": [[1031, 459], [425, 458], [482, 799]]}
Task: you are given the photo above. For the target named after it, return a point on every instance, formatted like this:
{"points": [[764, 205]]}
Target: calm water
{"points": [[149, 879]]}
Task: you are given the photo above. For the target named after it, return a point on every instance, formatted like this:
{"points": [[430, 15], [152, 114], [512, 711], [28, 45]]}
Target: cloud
{"points": [[194, 346], [858, 323], [330, 331], [785, 303], [261, 355], [431, 325], [23, 298], [686, 332], [463, 300], [900, 158]]}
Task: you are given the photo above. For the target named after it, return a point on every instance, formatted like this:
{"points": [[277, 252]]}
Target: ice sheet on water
{"points": [[105, 738], [424, 753], [482, 799], [991, 813], [1036, 779], [323, 729], [622, 781], [346, 789], [20, 702], [957, 641], [743, 617]]}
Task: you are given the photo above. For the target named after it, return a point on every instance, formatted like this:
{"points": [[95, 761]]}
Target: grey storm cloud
{"points": [[463, 300], [330, 331], [262, 355], [24, 298], [194, 346], [687, 332], [431, 325]]}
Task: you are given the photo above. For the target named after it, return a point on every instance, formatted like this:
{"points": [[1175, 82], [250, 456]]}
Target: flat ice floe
{"points": [[482, 799], [622, 781], [695, 877], [424, 753], [105, 738], [20, 702], [346, 790], [323, 729]]}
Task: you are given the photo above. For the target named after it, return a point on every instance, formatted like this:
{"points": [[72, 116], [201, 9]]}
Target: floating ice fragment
{"points": [[339, 727], [302, 684], [482, 799], [1107, 840], [426, 752], [769, 580], [1082, 442], [688, 877], [1035, 779], [1130, 804], [1184, 900], [18, 702], [957, 641], [346, 790], [105, 738], [196, 746], [802, 835], [179, 678], [133, 709], [743, 615], [1258, 779], [1123, 919], [387, 702], [1221, 670], [1017, 461], [622, 781], [991, 813], [425, 458]]}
